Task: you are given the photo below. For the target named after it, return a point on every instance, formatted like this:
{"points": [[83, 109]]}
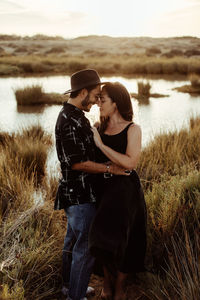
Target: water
{"points": [[161, 114]]}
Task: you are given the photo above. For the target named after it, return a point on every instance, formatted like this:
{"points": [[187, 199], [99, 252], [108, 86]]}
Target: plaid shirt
{"points": [[74, 143]]}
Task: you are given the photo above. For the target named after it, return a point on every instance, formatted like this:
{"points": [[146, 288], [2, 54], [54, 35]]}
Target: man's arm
{"points": [[93, 167], [73, 155]]}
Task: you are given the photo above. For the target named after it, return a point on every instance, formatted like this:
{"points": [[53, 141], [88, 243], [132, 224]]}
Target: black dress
{"points": [[118, 232]]}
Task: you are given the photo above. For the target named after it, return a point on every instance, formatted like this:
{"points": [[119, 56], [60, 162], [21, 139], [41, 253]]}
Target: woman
{"points": [[118, 233]]}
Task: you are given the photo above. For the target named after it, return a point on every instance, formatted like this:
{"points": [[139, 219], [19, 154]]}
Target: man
{"points": [[75, 150]]}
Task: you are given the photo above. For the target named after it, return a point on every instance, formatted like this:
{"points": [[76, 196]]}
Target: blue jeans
{"points": [[77, 260]]}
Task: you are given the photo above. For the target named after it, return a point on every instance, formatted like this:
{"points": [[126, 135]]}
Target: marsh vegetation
{"points": [[31, 234], [34, 95], [41, 55]]}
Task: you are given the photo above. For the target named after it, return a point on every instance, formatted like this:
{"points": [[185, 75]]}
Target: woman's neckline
{"points": [[120, 131]]}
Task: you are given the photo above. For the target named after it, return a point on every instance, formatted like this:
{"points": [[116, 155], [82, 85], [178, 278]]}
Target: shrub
{"points": [[192, 52], [169, 67], [144, 89], [9, 70], [152, 51], [153, 67], [29, 95], [27, 67], [56, 49], [195, 80], [21, 49], [74, 66]]}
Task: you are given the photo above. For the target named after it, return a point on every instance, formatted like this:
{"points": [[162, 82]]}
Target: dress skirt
{"points": [[118, 232]]}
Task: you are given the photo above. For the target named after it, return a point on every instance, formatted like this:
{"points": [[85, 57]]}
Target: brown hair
{"points": [[118, 94]]}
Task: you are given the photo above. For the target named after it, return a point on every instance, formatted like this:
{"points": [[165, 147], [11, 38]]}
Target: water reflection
{"points": [[161, 114], [30, 109]]}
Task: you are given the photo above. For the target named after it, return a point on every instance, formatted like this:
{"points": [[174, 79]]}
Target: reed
{"points": [[30, 254], [105, 64], [34, 95], [167, 152], [182, 275], [31, 236], [26, 152], [143, 89], [195, 80], [29, 95]]}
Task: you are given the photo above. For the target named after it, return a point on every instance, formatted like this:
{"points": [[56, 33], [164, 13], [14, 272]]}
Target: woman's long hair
{"points": [[118, 94]]}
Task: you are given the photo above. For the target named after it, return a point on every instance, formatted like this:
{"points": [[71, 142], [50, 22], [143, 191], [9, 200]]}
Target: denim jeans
{"points": [[77, 260]]}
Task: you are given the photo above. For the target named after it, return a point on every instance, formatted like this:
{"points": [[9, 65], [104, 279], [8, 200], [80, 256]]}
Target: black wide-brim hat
{"points": [[83, 79]]}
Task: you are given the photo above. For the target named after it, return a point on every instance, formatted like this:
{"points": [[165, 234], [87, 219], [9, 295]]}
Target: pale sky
{"points": [[73, 18]]}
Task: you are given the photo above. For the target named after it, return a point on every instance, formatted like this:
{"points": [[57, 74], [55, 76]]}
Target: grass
{"points": [[108, 64], [31, 236], [34, 95], [26, 153], [144, 93], [193, 88], [195, 80], [167, 152], [144, 89], [29, 248]]}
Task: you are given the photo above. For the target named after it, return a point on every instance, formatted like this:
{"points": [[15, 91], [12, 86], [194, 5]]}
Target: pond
{"points": [[161, 114]]}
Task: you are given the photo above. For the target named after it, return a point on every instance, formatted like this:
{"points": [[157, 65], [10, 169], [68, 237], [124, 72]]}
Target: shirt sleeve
{"points": [[71, 145]]}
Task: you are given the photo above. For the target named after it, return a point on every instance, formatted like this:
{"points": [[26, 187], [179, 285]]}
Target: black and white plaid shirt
{"points": [[74, 143]]}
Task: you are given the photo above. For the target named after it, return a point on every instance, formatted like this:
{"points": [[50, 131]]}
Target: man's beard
{"points": [[85, 103]]}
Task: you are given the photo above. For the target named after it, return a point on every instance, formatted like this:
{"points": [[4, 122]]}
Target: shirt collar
{"points": [[72, 108]]}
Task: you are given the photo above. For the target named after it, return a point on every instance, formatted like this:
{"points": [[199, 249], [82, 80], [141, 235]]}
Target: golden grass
{"points": [[34, 95], [195, 80], [169, 152], [182, 273], [143, 89], [31, 252], [31, 235], [193, 88], [106, 64], [26, 153]]}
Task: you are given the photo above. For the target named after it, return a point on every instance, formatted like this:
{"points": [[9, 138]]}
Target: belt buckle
{"points": [[107, 175]]}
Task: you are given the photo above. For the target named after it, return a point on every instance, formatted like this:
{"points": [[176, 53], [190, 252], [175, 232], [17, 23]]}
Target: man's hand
{"points": [[117, 170]]}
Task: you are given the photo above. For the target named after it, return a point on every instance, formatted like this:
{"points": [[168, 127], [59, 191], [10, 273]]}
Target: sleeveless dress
{"points": [[117, 236]]}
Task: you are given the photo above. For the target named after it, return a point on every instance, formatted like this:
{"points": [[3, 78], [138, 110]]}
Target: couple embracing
{"points": [[100, 191]]}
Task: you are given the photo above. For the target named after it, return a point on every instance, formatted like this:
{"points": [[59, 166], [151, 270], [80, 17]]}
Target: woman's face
{"points": [[107, 107]]}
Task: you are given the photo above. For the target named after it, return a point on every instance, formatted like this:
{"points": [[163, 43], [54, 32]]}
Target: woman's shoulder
{"points": [[134, 128]]}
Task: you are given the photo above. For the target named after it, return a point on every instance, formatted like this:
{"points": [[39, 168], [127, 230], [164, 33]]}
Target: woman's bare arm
{"points": [[130, 159]]}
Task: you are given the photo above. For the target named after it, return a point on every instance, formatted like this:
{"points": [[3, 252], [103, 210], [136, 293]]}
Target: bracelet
{"points": [[107, 168]]}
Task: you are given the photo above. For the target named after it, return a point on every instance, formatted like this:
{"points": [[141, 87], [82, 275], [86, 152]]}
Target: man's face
{"points": [[91, 99]]}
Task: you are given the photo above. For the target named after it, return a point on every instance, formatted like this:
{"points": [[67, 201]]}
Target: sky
{"points": [[73, 18]]}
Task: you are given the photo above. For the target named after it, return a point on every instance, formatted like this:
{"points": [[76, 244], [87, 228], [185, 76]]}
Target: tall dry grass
{"points": [[34, 95], [30, 253], [195, 80], [182, 274], [104, 64], [31, 235], [169, 202], [171, 179], [143, 89], [26, 152], [169, 152]]}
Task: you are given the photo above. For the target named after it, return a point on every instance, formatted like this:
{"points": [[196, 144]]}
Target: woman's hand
{"points": [[97, 138]]}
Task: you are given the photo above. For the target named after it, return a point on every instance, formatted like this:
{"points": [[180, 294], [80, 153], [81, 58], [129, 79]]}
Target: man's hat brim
{"points": [[84, 87]]}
